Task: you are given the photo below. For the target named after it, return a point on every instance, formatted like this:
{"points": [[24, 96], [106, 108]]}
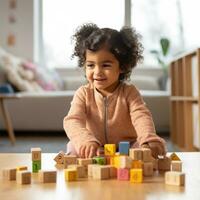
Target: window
{"points": [[62, 17], [175, 19]]}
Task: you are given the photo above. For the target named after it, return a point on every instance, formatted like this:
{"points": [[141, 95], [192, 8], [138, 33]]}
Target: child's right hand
{"points": [[88, 150]]}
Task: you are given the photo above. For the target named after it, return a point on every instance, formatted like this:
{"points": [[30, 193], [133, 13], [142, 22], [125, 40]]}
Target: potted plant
{"points": [[162, 57]]}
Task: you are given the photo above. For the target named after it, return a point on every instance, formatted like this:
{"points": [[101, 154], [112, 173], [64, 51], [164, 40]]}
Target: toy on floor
{"points": [[129, 164]]}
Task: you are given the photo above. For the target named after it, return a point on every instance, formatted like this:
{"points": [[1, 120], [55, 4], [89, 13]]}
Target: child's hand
{"points": [[156, 148], [88, 150]]}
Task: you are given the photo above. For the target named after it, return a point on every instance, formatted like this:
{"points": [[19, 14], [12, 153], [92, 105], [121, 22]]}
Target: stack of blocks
{"points": [[36, 159]]}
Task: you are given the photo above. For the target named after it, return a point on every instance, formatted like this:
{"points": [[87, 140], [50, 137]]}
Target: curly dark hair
{"points": [[123, 44]]}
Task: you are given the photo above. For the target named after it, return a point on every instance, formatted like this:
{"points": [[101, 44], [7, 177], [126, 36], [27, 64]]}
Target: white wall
{"points": [[22, 28]]}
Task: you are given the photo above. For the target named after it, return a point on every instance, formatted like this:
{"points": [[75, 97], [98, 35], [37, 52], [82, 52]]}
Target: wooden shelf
{"points": [[185, 90]]}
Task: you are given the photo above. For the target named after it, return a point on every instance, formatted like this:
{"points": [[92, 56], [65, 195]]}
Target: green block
{"points": [[36, 165], [99, 160]]}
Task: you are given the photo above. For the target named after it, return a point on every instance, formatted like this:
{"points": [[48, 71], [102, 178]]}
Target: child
{"points": [[107, 110]]}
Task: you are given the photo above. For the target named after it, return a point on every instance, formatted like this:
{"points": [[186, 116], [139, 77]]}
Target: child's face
{"points": [[102, 70]]}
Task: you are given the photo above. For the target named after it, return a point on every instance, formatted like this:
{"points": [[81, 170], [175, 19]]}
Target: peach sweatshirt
{"points": [[121, 116]]}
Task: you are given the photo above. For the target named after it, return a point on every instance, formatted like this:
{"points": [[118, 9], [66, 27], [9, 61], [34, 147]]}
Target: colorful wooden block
{"points": [[148, 169], [125, 162], [85, 161], [81, 172], [124, 147], [71, 175], [137, 164], [23, 177], [101, 172], [176, 165], [109, 149], [136, 175], [117, 161], [9, 174], [21, 168], [47, 176], [174, 156], [135, 153], [113, 171], [90, 169], [164, 164], [69, 160], [60, 158], [123, 174], [174, 178], [146, 155], [36, 166], [99, 160], [36, 153]]}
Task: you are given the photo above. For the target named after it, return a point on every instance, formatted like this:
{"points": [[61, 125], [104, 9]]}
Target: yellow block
{"points": [[136, 176], [117, 161], [71, 174], [21, 168], [109, 149], [137, 164], [173, 156]]}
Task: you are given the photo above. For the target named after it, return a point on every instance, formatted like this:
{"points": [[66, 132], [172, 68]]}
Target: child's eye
{"points": [[89, 65], [106, 65]]}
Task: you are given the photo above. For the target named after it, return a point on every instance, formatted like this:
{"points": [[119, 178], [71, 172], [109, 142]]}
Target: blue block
{"points": [[124, 147]]}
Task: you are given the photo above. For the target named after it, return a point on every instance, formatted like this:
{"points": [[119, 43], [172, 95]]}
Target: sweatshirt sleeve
{"points": [[75, 121], [142, 119]]}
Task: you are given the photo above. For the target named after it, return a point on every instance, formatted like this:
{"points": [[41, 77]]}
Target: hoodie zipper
{"points": [[105, 119]]}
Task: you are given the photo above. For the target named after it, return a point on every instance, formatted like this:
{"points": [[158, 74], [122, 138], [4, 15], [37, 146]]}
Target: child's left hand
{"points": [[156, 148]]}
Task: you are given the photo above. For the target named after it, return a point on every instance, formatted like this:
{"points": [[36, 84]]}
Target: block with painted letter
{"points": [[47, 176], [176, 165], [23, 177], [36, 166], [60, 157], [69, 160], [175, 178], [125, 162], [71, 174], [137, 164], [101, 172], [36, 153], [123, 174], [135, 153], [109, 149], [9, 174], [136, 175], [81, 172]]}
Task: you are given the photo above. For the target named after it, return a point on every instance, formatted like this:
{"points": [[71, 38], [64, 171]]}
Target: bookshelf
{"points": [[185, 101]]}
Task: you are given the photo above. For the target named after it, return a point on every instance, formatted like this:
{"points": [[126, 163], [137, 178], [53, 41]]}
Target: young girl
{"points": [[107, 110]]}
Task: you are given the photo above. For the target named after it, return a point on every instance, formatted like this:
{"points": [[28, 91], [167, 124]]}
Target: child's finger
{"points": [[82, 152], [87, 151], [92, 152]]}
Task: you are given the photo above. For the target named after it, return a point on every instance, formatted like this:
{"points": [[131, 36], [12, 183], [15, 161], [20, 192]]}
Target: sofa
{"points": [[43, 109]]}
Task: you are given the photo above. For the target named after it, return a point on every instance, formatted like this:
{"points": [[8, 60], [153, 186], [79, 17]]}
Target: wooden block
{"points": [[71, 175], [36, 153], [146, 155], [148, 169], [21, 168], [99, 160], [101, 172], [69, 160], [9, 174], [174, 178], [23, 177], [125, 162], [47, 176], [60, 158], [176, 165], [36, 166], [109, 149], [137, 164], [113, 171], [164, 164], [124, 147], [81, 171], [90, 169], [136, 176], [85, 161], [155, 163], [117, 161], [135, 153], [123, 174], [174, 156]]}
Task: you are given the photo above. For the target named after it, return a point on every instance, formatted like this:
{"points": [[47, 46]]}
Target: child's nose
{"points": [[98, 70]]}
